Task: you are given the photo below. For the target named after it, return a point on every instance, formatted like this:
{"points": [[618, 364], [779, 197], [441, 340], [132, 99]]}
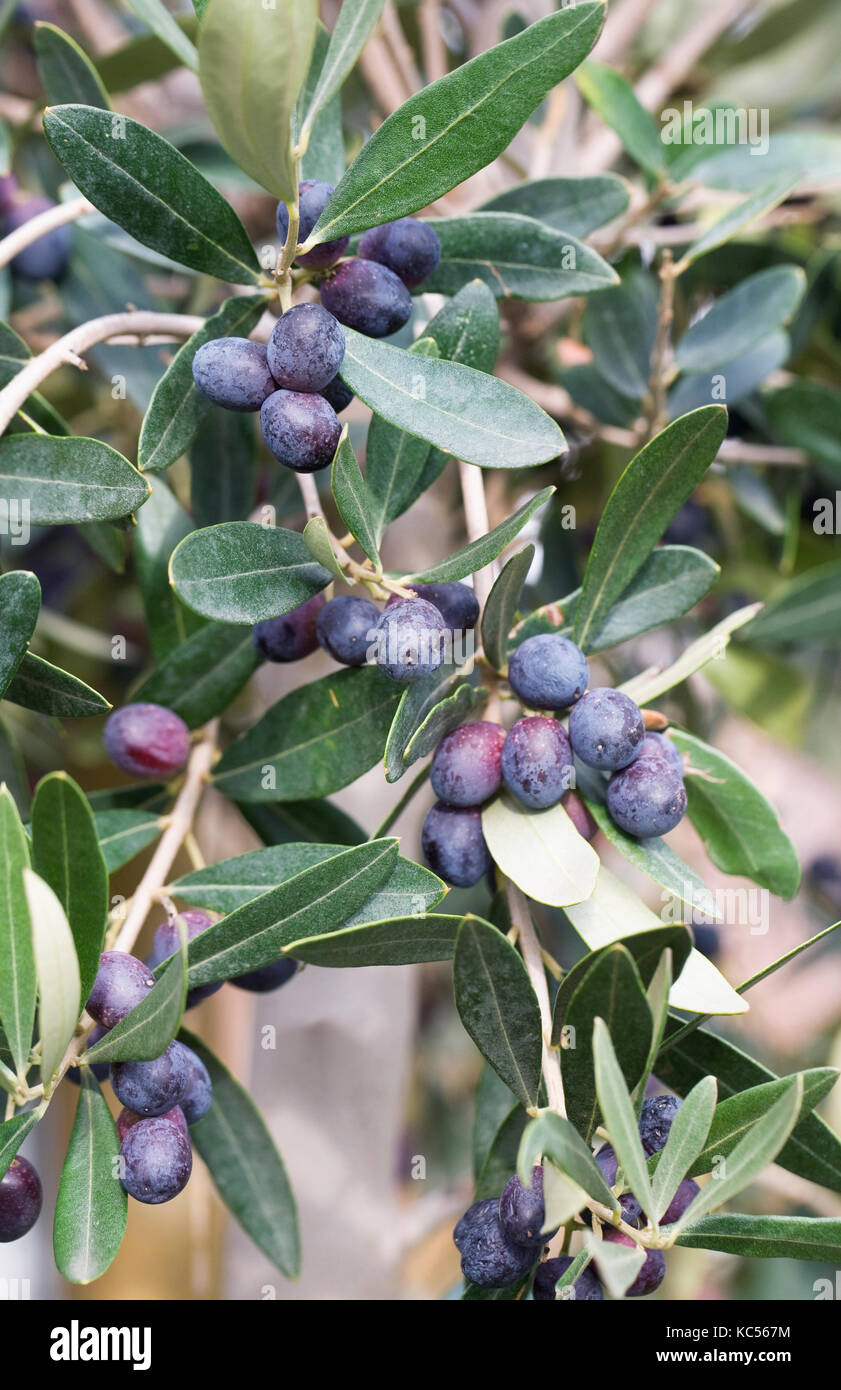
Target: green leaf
{"points": [[354, 502], [204, 675], [498, 1006], [686, 1140], [356, 22], [69, 479], [240, 572], [417, 702], [501, 1158], [618, 1265], [123, 834], [611, 990], [620, 326], [613, 98], [17, 978], [655, 858], [767, 1237], [646, 949], [613, 912], [245, 1165], [314, 902], [155, 14], [316, 536], [710, 647], [540, 851], [57, 969], [67, 855], [46, 688], [737, 1113], [324, 157], [480, 552], [804, 413], [467, 413], [619, 1117], [161, 524], [394, 462], [178, 407], [456, 126], [653, 488], [465, 701], [66, 72], [576, 205], [395, 941], [494, 1104], [813, 1151], [150, 1027], [740, 319], [516, 257], [92, 1206], [314, 741], [20, 604], [466, 329], [553, 1137], [223, 470], [740, 829], [751, 1155], [142, 183], [808, 609], [12, 769], [320, 821], [143, 59], [232, 883], [252, 64], [739, 217], [741, 377], [12, 1134], [501, 608], [669, 583]]}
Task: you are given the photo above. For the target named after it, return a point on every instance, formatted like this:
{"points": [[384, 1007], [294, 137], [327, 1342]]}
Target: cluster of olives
{"points": [[501, 1239], [294, 381]]}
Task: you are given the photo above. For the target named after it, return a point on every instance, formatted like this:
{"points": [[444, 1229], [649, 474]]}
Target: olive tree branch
{"points": [[86, 335], [533, 961], [41, 224]]}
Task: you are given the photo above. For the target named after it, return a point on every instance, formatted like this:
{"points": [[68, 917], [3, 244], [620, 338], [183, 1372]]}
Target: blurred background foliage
{"points": [[772, 703]]}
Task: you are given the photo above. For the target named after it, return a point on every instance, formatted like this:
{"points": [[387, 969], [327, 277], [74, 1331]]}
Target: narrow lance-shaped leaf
{"points": [[739, 217], [66, 854], [618, 1264], [541, 851], [92, 1206], [160, 21], [614, 99], [245, 1165], [619, 1117], [470, 414], [578, 205], [12, 1134], [59, 991], [738, 1113], [39, 685], [395, 461], [740, 829], [146, 186], [655, 858], [69, 479], [620, 326], [314, 741], [240, 572], [66, 72], [253, 60], [465, 701], [611, 990], [687, 1136], [480, 552], [710, 647], [418, 700], [501, 607], [178, 407], [552, 1136], [741, 318], [770, 1237], [466, 329], [807, 610], [353, 498], [357, 20], [515, 257], [645, 947], [751, 1155], [397, 941], [457, 125], [207, 672], [498, 1006], [20, 603], [17, 977], [161, 524], [651, 491], [150, 1027], [324, 157]]}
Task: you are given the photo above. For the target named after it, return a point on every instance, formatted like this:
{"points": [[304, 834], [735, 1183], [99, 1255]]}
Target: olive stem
{"points": [[41, 224], [533, 961]]}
